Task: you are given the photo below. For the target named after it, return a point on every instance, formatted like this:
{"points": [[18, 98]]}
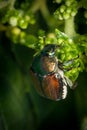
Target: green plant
{"points": [[23, 25]]}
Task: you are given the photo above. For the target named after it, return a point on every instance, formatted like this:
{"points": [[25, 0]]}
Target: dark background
{"points": [[21, 108]]}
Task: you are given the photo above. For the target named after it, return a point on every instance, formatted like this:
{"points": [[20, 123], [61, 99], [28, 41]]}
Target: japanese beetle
{"points": [[48, 75]]}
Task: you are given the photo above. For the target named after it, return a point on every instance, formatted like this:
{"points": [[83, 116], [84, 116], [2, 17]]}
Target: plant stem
{"points": [[69, 27], [42, 6]]}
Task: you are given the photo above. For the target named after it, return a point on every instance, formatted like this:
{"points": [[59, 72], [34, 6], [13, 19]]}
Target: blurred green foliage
{"points": [[23, 25]]}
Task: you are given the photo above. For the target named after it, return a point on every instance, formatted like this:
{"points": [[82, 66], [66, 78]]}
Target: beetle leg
{"points": [[74, 85], [68, 63], [69, 82], [60, 64]]}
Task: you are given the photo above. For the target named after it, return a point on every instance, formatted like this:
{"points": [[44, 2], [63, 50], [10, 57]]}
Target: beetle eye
{"points": [[51, 53]]}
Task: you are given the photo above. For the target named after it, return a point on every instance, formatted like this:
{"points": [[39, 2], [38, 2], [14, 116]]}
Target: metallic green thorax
{"points": [[38, 63]]}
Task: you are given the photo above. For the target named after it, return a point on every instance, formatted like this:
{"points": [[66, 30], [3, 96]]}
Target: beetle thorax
{"points": [[49, 64]]}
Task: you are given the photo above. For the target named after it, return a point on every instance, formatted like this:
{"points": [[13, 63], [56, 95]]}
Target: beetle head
{"points": [[49, 50]]}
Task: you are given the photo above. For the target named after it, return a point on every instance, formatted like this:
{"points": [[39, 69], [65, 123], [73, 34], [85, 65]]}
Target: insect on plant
{"points": [[48, 73]]}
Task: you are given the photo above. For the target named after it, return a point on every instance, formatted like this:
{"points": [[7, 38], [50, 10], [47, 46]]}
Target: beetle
{"points": [[48, 75]]}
